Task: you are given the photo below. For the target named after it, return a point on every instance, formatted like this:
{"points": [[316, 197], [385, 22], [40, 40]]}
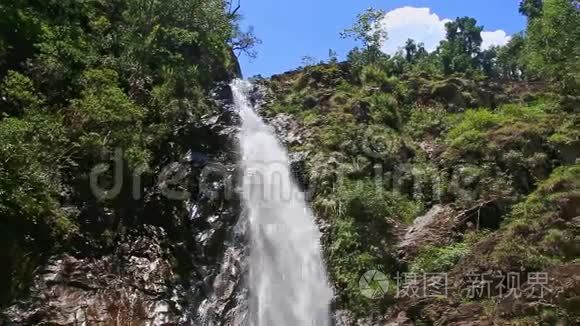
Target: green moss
{"points": [[536, 218], [441, 259]]}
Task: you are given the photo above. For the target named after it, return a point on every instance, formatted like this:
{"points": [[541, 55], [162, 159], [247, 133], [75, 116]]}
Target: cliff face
{"points": [[179, 262]]}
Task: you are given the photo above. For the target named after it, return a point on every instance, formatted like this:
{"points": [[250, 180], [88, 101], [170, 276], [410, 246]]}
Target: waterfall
{"points": [[287, 282]]}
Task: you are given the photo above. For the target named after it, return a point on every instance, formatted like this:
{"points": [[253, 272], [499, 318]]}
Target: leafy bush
{"points": [[366, 200], [434, 259], [470, 131], [107, 117], [19, 94], [373, 75], [360, 235], [30, 151], [427, 121], [439, 259], [385, 110], [339, 130]]}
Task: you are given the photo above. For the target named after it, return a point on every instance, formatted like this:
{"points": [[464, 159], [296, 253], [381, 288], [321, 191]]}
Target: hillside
{"points": [[416, 174]]}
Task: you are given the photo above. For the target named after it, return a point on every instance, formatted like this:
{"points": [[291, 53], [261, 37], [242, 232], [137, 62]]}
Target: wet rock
{"points": [[227, 304], [135, 285], [299, 169], [343, 318], [175, 254], [347, 318], [287, 129]]}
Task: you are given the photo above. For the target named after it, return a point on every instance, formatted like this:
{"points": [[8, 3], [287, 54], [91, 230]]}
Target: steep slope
{"points": [[490, 165]]}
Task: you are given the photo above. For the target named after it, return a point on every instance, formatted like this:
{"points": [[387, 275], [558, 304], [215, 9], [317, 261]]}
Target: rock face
{"points": [[178, 262], [433, 228], [135, 285], [287, 129]]}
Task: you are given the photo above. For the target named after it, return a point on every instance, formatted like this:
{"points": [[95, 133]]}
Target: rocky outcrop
{"points": [[135, 285], [443, 225], [288, 130]]}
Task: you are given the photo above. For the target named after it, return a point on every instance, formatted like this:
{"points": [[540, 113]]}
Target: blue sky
{"points": [[293, 29]]}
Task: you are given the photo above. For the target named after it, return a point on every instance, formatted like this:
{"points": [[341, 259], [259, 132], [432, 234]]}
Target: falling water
{"points": [[288, 284]]}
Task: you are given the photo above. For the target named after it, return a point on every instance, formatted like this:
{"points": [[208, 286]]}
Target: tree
{"points": [[79, 79], [553, 44], [414, 51], [488, 62], [245, 42], [459, 51], [531, 8], [332, 56], [308, 61], [367, 29], [510, 58]]}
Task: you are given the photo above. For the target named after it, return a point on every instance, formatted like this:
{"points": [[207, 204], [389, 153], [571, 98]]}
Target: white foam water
{"points": [[287, 282]]}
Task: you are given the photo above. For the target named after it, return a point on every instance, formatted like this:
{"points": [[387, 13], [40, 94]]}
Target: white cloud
{"points": [[422, 25], [419, 24], [490, 39]]}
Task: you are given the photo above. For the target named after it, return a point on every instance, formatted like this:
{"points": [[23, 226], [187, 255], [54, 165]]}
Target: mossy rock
{"points": [[310, 102], [448, 92]]}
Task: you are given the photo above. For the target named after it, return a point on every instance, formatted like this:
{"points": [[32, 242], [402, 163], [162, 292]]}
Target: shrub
{"points": [[374, 75], [31, 151], [339, 130], [366, 200], [19, 94], [568, 133], [472, 125], [554, 200], [429, 121], [107, 118], [446, 91], [439, 259], [362, 216], [385, 110]]}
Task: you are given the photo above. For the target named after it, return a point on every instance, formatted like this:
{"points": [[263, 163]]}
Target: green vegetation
{"points": [[433, 259], [536, 237], [552, 44], [79, 79], [385, 137], [438, 260], [390, 136], [362, 213]]}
